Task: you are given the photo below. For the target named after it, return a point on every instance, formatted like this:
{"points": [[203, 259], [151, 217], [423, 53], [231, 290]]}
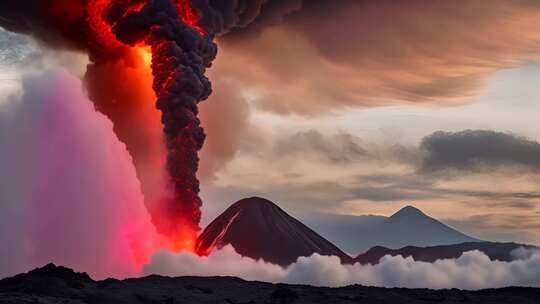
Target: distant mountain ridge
{"points": [[407, 227], [259, 229]]}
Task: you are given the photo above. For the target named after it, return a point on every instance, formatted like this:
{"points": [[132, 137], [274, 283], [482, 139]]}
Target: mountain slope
{"points": [[408, 226], [259, 229], [495, 251]]}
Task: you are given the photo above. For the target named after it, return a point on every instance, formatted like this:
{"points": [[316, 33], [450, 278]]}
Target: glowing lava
{"points": [[96, 10], [146, 54], [177, 55], [189, 15]]}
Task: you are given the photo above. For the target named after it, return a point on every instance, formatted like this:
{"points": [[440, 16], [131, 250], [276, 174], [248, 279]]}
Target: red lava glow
{"points": [[189, 15], [96, 10], [103, 30], [131, 78], [145, 52], [66, 11], [184, 240]]}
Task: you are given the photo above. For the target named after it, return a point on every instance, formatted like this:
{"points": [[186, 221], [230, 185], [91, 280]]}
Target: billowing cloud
{"points": [[223, 262], [476, 149], [68, 188], [330, 55], [473, 270]]}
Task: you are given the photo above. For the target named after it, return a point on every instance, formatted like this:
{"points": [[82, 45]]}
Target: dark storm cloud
{"points": [[472, 150], [234, 18], [464, 151], [56, 23]]}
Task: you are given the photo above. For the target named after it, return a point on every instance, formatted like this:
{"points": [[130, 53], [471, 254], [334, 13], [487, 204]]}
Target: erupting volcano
{"points": [[146, 72]]}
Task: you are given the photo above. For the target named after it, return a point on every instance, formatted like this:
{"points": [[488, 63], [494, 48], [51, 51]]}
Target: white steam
{"points": [[473, 270], [68, 189]]}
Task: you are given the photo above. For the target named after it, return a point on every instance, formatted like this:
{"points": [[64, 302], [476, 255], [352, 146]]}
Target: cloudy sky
{"points": [[388, 104]]}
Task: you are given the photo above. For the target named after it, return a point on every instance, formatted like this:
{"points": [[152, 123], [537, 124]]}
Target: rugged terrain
{"points": [[52, 284]]}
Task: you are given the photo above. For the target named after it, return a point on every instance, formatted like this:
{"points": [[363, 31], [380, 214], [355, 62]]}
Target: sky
{"points": [[369, 161], [404, 104], [359, 108]]}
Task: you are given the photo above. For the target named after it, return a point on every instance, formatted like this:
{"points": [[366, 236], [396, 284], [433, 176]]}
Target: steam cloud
{"points": [[331, 55], [68, 191], [473, 270]]}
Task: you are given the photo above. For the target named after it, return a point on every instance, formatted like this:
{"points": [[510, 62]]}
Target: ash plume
{"points": [[180, 56]]}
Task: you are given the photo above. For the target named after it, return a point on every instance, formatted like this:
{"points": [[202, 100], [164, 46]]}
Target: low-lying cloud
{"points": [[473, 270]]}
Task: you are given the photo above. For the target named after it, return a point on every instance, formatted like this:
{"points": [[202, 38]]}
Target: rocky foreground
{"points": [[52, 284]]}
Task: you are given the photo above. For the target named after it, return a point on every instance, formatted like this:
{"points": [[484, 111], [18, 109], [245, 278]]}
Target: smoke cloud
{"points": [[378, 52], [471, 150], [225, 119], [473, 270]]}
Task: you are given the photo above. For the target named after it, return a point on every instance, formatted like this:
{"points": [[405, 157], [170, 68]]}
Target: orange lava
{"points": [[145, 52], [184, 241], [130, 79], [189, 15], [96, 10]]}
